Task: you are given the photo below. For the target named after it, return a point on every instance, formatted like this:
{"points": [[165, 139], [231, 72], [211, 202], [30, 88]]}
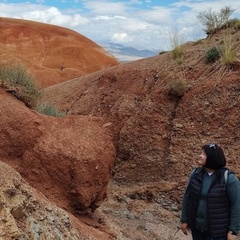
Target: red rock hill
{"points": [[53, 54]]}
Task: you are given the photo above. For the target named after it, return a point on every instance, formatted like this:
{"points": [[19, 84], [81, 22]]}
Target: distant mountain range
{"points": [[127, 54]]}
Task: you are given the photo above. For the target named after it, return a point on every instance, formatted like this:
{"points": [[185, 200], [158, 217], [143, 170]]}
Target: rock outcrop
{"points": [[69, 159], [25, 213]]}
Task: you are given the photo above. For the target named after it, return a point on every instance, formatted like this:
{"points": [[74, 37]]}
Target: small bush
{"points": [[212, 55], [177, 88], [16, 80], [178, 53], [48, 109]]}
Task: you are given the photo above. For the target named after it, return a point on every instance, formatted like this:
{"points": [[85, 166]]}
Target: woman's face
{"points": [[202, 158]]}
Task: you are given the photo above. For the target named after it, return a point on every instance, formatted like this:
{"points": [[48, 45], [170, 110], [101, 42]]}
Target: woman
{"points": [[211, 203]]}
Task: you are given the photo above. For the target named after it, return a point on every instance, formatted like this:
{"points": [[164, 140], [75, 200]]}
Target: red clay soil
{"points": [[51, 53]]}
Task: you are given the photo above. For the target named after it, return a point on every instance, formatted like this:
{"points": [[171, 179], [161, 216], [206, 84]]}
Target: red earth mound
{"points": [[51, 53], [69, 159]]}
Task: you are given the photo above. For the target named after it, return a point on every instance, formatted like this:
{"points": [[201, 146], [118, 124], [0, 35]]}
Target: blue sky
{"points": [[144, 24]]}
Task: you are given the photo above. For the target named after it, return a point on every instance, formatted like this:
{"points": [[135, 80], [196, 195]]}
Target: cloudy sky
{"points": [[143, 24]]}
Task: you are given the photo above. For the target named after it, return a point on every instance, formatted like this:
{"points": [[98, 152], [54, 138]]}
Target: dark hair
{"points": [[215, 156]]}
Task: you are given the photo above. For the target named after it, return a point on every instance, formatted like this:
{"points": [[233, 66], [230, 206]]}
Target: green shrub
{"points": [[212, 55], [48, 109], [22, 84]]}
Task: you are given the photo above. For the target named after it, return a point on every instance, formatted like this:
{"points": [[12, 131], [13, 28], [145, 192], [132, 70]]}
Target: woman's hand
{"points": [[184, 228], [231, 236]]}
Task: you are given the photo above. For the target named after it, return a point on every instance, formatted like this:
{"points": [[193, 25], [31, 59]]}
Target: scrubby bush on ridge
{"points": [[212, 20]]}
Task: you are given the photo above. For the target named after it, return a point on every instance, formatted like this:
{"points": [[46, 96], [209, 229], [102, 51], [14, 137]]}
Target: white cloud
{"points": [[53, 16], [42, 13], [106, 7], [121, 37], [108, 18], [156, 15]]}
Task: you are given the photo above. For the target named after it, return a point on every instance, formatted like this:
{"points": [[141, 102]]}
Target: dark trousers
{"points": [[197, 235]]}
